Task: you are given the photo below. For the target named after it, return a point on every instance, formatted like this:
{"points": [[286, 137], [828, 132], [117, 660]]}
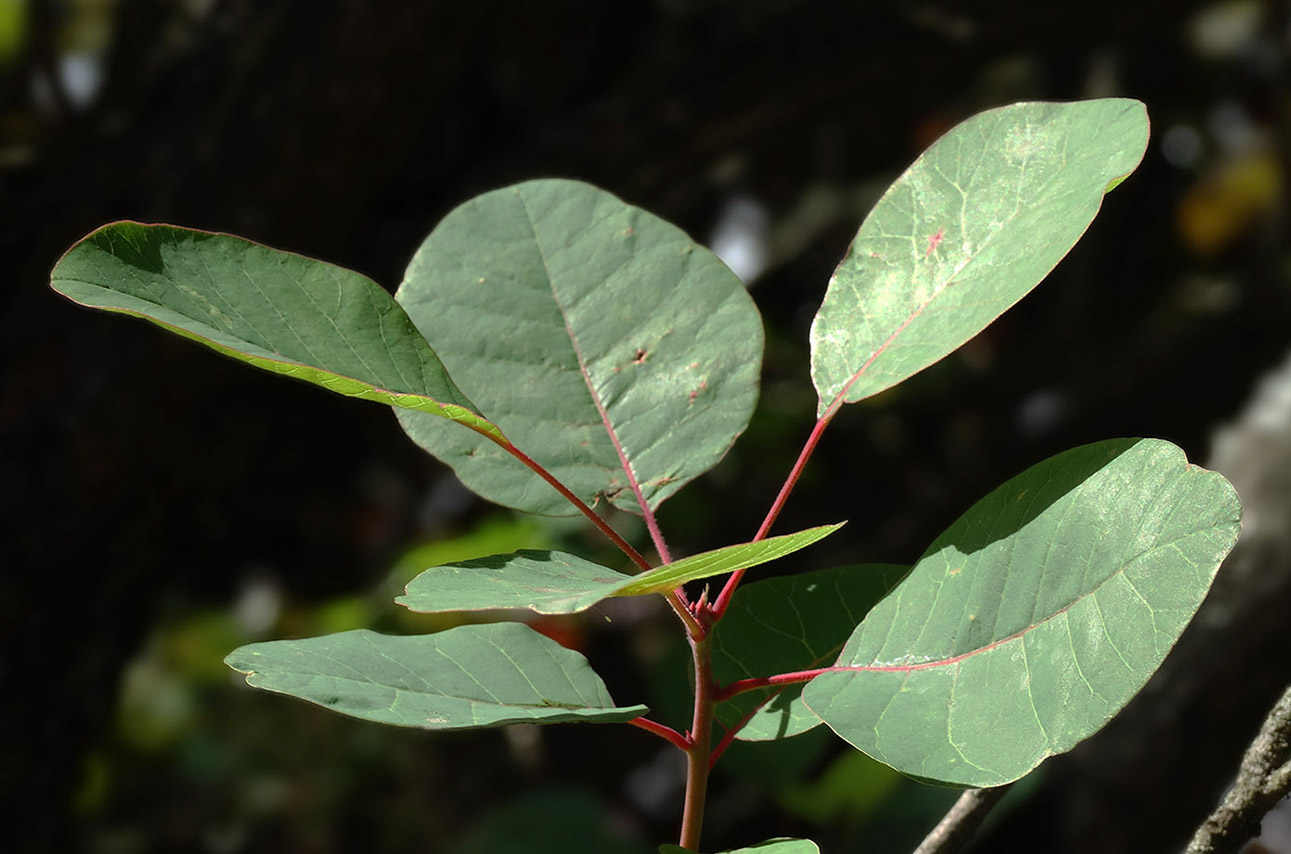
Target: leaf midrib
{"points": [[840, 398], [947, 662], [624, 462]]}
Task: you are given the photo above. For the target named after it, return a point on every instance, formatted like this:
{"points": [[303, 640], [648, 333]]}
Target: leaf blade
{"points": [[727, 559], [470, 677], [787, 624], [547, 582], [1034, 618], [274, 310], [607, 344], [551, 582], [976, 222]]}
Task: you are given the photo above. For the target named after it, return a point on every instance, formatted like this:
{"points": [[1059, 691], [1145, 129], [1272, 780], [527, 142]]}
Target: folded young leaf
{"points": [[771, 846], [1034, 618], [275, 310], [558, 583], [968, 230], [608, 345], [787, 624], [470, 677]]}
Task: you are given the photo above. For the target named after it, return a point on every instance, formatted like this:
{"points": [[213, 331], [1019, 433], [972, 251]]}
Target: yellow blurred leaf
{"points": [[1227, 201]]}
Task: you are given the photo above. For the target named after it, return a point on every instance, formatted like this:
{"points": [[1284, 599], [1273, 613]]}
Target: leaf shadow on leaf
{"points": [[136, 251], [1012, 513]]}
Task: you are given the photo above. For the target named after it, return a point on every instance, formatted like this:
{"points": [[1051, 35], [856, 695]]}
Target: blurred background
{"points": [[162, 505]]}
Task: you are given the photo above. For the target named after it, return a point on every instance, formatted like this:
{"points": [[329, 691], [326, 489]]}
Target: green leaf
{"points": [[547, 582], [469, 677], [609, 346], [968, 230], [771, 846], [1034, 618], [786, 624], [558, 583], [723, 560], [275, 310]]}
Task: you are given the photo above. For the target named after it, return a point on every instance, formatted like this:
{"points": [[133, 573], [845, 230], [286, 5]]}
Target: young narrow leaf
{"points": [[1034, 618], [470, 677], [609, 346], [558, 583], [278, 311], [771, 846], [787, 624], [724, 560], [968, 230]]}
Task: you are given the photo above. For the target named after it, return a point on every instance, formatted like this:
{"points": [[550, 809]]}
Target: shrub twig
{"points": [[1263, 779], [957, 827]]}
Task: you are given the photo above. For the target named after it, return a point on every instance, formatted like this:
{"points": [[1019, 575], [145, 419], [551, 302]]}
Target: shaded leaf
{"points": [[559, 583], [968, 230], [623, 355], [785, 624], [851, 787], [1034, 618], [275, 310], [466, 678]]}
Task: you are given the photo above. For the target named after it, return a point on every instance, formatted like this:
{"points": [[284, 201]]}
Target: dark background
{"points": [[149, 486]]}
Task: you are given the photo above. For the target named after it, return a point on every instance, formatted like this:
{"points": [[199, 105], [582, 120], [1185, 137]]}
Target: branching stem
{"points": [[743, 686], [604, 527], [665, 732], [724, 599]]}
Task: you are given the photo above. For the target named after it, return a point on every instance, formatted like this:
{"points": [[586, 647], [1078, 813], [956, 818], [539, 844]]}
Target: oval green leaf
{"points": [[551, 582], [470, 677], [787, 624], [275, 310], [1034, 618], [608, 345], [969, 229], [771, 846]]}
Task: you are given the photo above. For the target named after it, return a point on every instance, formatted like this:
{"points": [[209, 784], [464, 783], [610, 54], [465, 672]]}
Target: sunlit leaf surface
{"points": [[968, 230], [609, 346], [1034, 618], [559, 583], [276, 310], [466, 678]]}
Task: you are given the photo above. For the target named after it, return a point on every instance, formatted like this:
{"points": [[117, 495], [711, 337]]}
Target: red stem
{"points": [[665, 732], [569, 496], [724, 600], [701, 744], [743, 686], [729, 735]]}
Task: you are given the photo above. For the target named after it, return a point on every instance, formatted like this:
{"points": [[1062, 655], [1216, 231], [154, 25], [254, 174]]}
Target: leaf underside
{"points": [[608, 345], [275, 310], [551, 582], [970, 228], [470, 677], [787, 624], [1034, 618]]}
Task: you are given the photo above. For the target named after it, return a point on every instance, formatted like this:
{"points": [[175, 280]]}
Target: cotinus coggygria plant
{"points": [[565, 352]]}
